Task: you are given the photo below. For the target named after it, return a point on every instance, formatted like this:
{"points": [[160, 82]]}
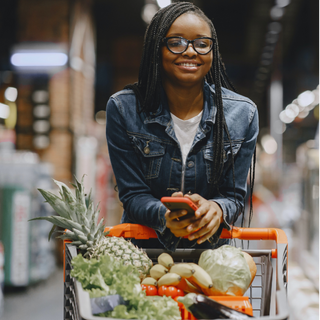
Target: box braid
{"points": [[148, 87]]}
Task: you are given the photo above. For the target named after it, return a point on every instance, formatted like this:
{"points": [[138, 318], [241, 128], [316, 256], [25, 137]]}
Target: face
{"points": [[188, 68]]}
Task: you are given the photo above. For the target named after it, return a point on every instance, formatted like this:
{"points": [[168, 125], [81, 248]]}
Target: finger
{"points": [[200, 226], [176, 215], [177, 194], [205, 232], [208, 235]]}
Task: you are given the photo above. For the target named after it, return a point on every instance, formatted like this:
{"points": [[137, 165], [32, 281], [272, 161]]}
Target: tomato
{"points": [[170, 291], [162, 290], [144, 287], [180, 293], [151, 290]]}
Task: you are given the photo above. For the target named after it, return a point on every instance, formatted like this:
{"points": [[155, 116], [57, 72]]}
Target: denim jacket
{"points": [[147, 163]]}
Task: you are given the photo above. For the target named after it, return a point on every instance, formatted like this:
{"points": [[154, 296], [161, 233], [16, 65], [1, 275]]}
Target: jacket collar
{"points": [[163, 117]]}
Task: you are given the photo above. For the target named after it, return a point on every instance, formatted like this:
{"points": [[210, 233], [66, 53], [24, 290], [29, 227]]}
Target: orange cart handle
{"points": [[137, 231]]}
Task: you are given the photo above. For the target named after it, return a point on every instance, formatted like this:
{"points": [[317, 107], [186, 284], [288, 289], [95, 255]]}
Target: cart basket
{"points": [[267, 293]]}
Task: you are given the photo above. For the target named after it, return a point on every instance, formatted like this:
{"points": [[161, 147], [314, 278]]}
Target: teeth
{"points": [[188, 64]]}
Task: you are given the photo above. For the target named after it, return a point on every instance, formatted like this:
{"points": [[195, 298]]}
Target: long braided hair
{"points": [[148, 87]]}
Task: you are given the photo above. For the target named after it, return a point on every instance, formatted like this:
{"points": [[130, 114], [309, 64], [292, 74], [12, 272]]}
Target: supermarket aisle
{"points": [[38, 302]]}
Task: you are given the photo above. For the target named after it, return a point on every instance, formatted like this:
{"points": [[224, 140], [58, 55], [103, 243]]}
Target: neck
{"points": [[184, 102]]}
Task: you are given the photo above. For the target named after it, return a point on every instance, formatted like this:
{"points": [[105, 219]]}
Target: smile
{"points": [[188, 64]]}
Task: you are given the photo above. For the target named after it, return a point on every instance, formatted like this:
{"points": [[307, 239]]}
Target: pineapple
{"points": [[86, 234]]}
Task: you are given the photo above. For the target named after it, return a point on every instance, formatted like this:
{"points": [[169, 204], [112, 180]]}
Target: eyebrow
{"points": [[182, 35]]}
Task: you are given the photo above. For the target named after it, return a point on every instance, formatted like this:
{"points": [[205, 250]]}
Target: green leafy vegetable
{"points": [[227, 268], [108, 276]]}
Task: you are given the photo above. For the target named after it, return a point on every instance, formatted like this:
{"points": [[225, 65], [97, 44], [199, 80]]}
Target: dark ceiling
{"points": [[243, 29]]}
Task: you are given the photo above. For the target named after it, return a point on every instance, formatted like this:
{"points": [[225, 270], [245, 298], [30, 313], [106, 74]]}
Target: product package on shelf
{"points": [[28, 255]]}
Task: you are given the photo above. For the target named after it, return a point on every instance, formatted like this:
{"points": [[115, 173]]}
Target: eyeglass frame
{"points": [[165, 40]]}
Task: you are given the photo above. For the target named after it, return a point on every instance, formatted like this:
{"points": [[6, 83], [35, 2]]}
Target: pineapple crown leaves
{"points": [[73, 212], [58, 205]]}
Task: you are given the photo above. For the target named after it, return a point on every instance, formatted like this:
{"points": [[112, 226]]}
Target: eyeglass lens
{"points": [[178, 45]]}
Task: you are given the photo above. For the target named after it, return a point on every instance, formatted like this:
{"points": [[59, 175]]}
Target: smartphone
{"points": [[180, 203]]}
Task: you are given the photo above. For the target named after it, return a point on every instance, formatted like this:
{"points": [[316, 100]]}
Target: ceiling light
{"points": [[39, 59], [11, 94], [285, 117], [269, 144], [293, 108], [282, 3], [275, 26], [306, 98], [276, 13], [163, 3], [40, 96], [148, 11]]}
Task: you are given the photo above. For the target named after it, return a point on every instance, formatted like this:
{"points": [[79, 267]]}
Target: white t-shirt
{"points": [[185, 131]]}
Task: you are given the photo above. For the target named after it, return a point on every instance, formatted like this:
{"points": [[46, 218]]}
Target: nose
{"points": [[190, 50]]}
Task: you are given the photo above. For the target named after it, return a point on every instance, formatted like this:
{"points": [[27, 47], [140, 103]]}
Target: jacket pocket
{"points": [[208, 156], [151, 153]]}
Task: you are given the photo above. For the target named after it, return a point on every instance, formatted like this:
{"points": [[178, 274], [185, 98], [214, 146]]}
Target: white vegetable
{"points": [[228, 270]]}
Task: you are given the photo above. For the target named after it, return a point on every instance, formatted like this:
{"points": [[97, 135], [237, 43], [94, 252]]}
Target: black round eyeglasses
{"points": [[179, 44]]}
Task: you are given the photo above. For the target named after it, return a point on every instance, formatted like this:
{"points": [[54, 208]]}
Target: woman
{"points": [[171, 134]]}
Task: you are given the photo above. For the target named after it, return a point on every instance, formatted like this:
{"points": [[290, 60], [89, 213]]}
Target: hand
{"points": [[176, 226], [209, 216]]}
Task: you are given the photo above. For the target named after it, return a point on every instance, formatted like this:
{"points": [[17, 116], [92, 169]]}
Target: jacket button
{"points": [[146, 150], [190, 164]]}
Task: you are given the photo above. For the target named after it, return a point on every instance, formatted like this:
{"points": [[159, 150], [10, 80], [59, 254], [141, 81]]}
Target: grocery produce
{"points": [[157, 271], [149, 281], [194, 273], [203, 307], [150, 290], [166, 260], [86, 233], [188, 287], [185, 270], [108, 276], [170, 291], [228, 269], [169, 279], [251, 264]]}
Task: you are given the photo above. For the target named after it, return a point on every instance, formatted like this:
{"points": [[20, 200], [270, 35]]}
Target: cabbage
{"points": [[228, 270]]}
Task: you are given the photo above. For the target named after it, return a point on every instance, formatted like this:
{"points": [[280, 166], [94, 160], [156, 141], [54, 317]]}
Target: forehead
{"points": [[191, 25]]}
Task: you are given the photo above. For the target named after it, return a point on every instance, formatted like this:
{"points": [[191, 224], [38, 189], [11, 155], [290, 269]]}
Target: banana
{"points": [[187, 287], [166, 260], [157, 271], [169, 279], [185, 270], [149, 281], [200, 277]]}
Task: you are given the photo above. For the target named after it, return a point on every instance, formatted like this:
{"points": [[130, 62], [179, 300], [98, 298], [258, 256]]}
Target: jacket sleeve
{"points": [[140, 205], [227, 192]]}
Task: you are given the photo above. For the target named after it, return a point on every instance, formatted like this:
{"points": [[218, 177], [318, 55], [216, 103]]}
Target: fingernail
{"points": [[200, 241], [191, 238]]}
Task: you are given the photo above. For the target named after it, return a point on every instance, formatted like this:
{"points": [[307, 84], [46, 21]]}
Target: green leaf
{"points": [[111, 276], [56, 203], [51, 231]]}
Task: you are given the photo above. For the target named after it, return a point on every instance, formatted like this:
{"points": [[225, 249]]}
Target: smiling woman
{"points": [[181, 131]]}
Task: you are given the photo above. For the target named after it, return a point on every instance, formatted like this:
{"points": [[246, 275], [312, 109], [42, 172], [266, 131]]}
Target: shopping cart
{"points": [[267, 293]]}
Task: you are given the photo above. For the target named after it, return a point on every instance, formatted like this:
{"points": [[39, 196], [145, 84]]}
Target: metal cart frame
{"points": [[267, 293]]}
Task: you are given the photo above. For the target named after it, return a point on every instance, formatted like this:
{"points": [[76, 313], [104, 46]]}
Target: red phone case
{"points": [[179, 203]]}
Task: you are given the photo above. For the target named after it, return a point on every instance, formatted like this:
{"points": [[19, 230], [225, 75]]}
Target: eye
{"points": [[202, 43], [175, 42]]}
